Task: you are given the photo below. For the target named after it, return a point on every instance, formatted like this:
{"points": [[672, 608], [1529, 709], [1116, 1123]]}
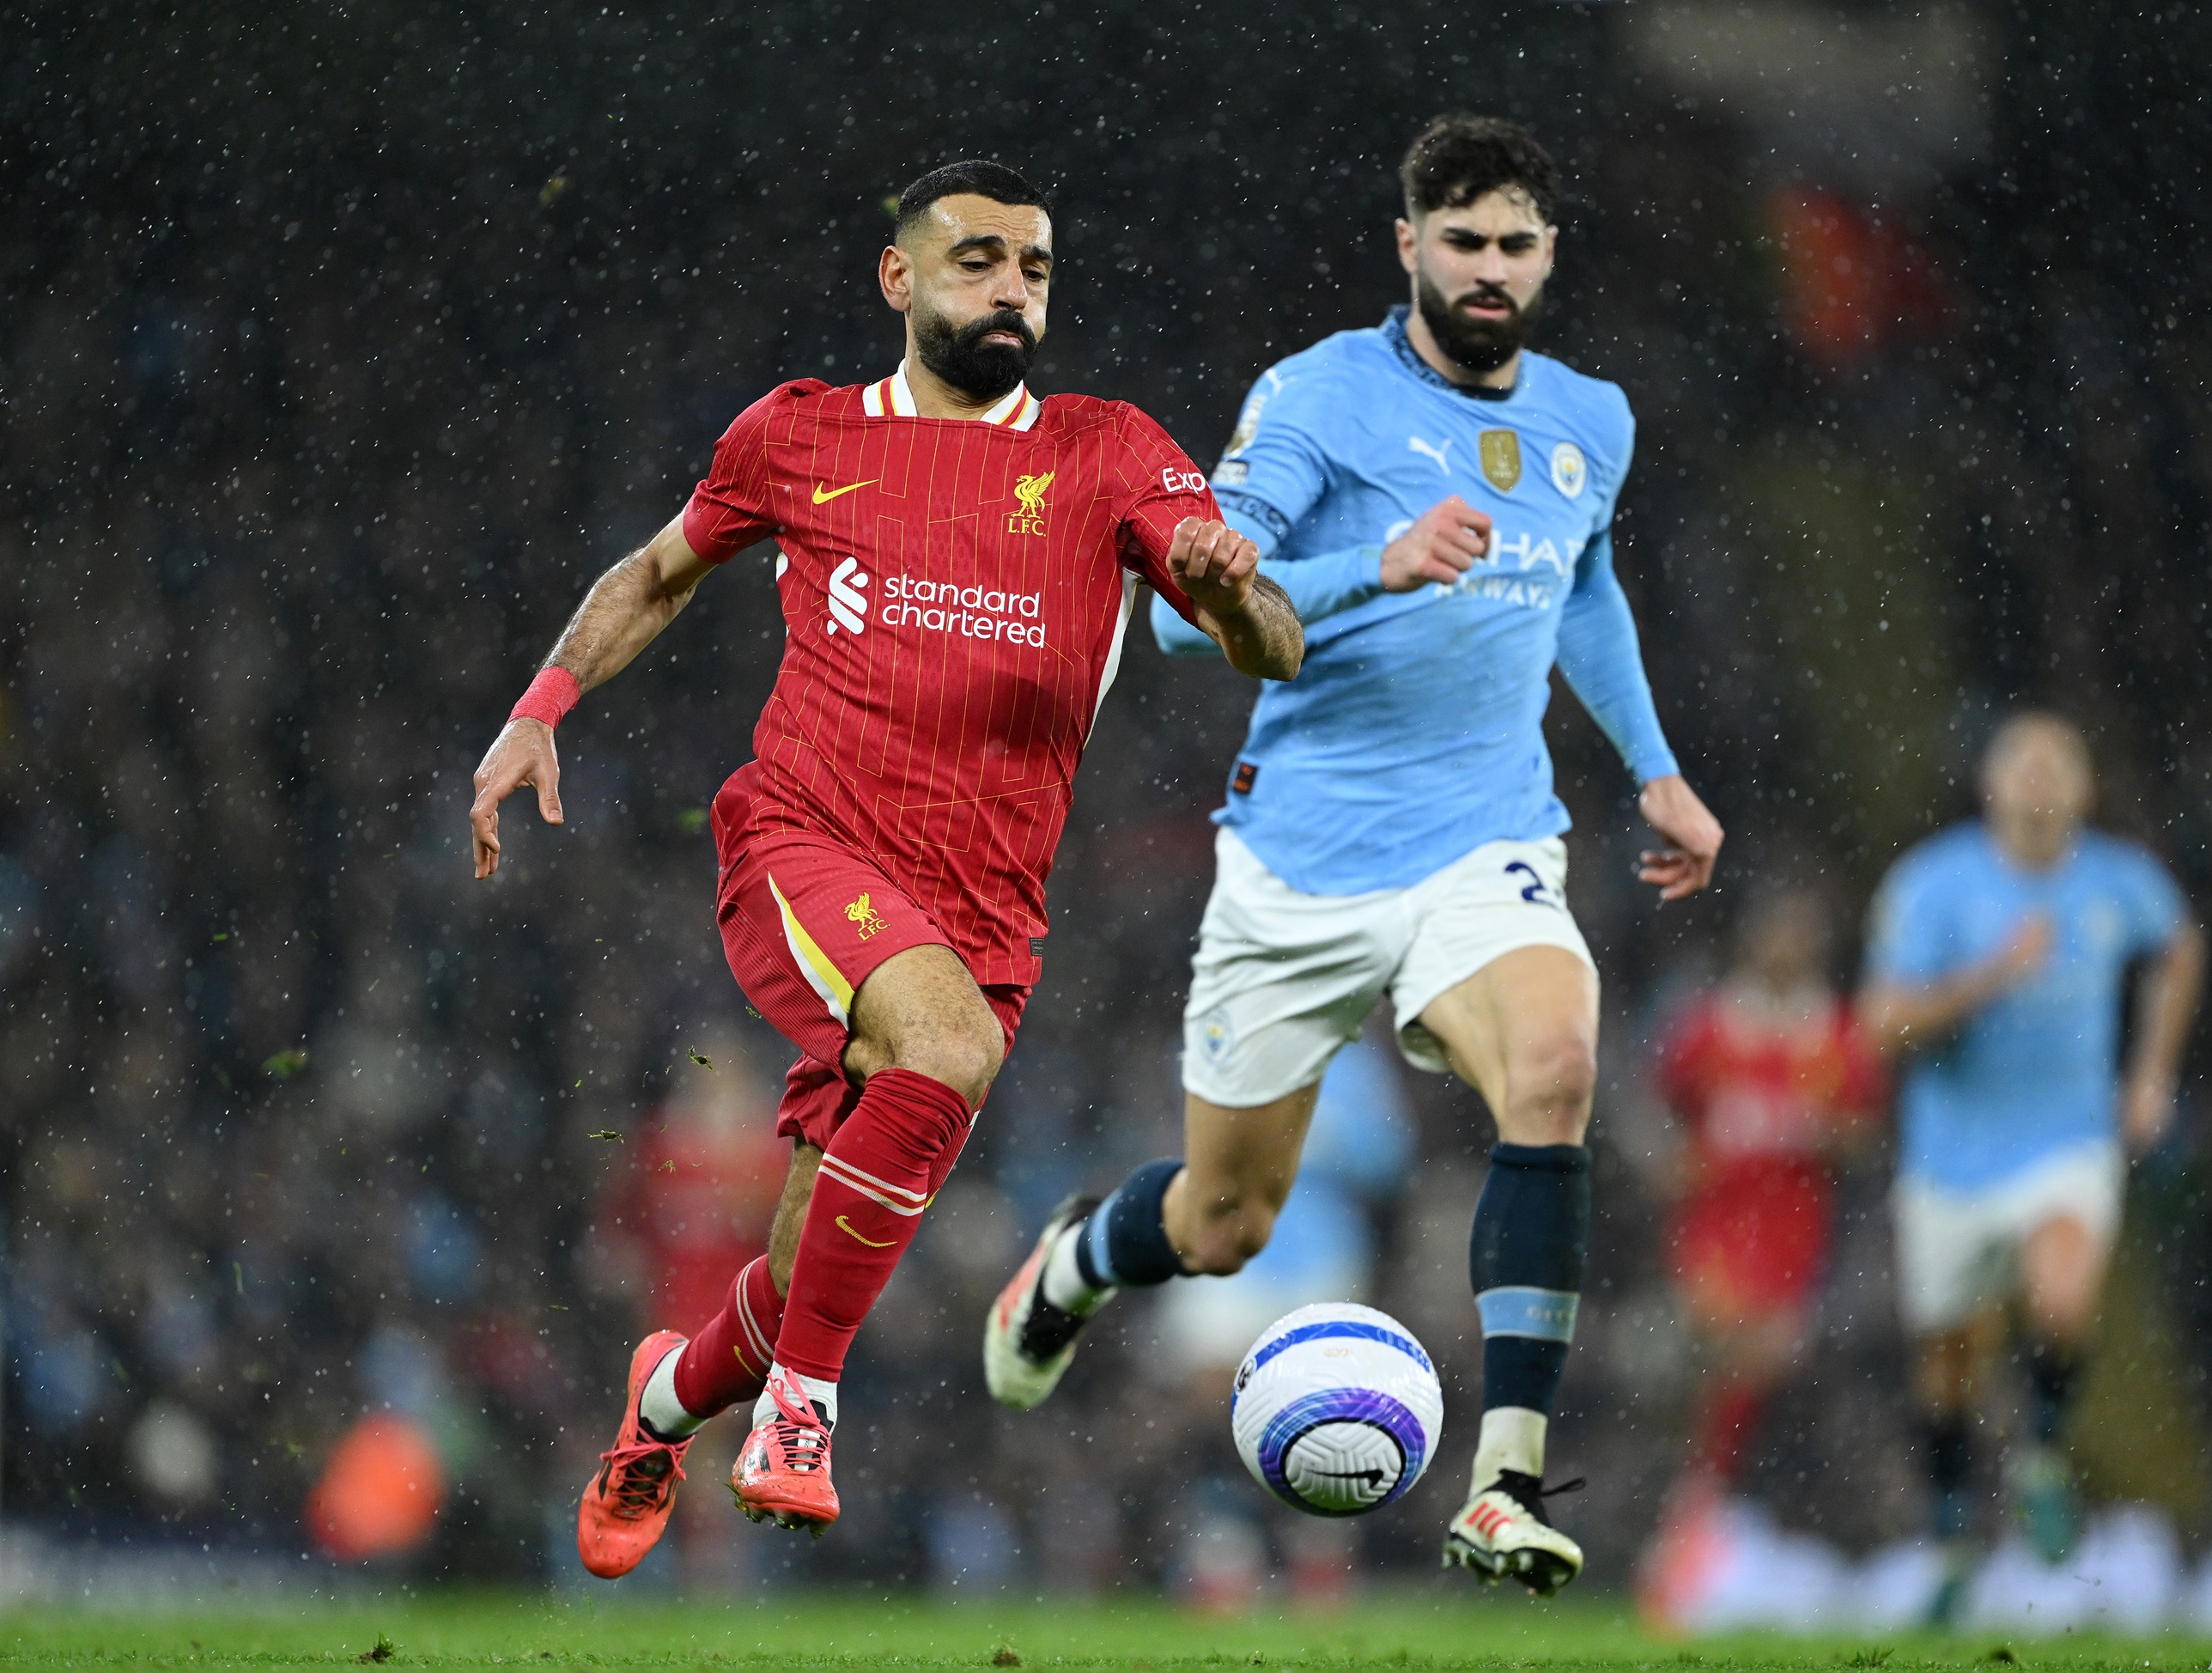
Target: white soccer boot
{"points": [[1502, 1533], [1027, 1341]]}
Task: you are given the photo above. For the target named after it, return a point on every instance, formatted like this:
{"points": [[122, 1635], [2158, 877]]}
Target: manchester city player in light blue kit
{"points": [[1997, 963], [1437, 503]]}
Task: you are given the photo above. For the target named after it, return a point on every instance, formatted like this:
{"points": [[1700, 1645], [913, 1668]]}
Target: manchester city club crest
{"points": [[1216, 1033], [1501, 459], [1570, 470]]}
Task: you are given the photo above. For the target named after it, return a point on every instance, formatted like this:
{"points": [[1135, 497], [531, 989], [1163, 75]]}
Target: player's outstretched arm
{"points": [[1895, 1015], [1242, 611], [2166, 1003], [626, 608]]}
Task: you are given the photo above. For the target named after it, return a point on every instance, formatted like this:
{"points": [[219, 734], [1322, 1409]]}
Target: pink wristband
{"points": [[550, 695]]}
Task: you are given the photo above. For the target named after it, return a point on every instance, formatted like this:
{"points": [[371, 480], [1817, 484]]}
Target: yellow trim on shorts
{"points": [[829, 981]]}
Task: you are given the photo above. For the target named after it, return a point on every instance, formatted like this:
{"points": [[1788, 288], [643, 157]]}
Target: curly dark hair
{"points": [[1460, 157]]}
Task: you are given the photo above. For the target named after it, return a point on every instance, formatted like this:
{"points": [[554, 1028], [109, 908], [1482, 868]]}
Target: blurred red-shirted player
{"points": [[959, 561], [705, 1170], [1770, 1080]]}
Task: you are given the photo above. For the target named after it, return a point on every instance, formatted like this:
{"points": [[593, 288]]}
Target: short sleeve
{"points": [[729, 510], [1157, 488], [1908, 936], [2155, 907], [1275, 468]]}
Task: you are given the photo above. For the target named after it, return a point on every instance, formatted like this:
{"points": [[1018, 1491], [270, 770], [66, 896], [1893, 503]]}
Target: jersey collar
{"points": [[892, 397], [1393, 333]]}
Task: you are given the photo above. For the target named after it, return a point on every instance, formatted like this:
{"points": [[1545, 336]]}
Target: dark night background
{"points": [[339, 350]]}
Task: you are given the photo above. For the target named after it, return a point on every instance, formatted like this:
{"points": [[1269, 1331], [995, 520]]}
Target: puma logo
{"points": [[1438, 452], [845, 1225]]}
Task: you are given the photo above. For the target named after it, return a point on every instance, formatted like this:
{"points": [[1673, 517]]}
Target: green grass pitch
{"points": [[1416, 1629]]}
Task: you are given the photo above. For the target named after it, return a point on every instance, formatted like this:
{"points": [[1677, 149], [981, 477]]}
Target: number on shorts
{"points": [[1534, 891]]}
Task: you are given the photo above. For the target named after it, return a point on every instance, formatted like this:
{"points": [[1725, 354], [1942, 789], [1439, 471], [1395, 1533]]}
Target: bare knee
{"points": [[920, 1010], [1551, 1084], [965, 1057], [960, 1050]]}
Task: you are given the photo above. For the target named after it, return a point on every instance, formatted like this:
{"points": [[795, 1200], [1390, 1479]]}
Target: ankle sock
{"points": [[1125, 1243], [882, 1167], [659, 1413], [1511, 1437], [1065, 1286], [1525, 1260], [821, 1394]]}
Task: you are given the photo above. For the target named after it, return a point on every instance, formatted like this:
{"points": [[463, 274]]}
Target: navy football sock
{"points": [[1531, 1233], [1950, 1443], [2052, 1372], [1124, 1244]]}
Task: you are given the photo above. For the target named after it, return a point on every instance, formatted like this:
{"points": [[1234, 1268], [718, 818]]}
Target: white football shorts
{"points": [[1283, 980], [1956, 1250]]}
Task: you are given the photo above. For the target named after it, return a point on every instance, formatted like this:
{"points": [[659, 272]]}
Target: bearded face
{"points": [[961, 358], [1480, 328]]}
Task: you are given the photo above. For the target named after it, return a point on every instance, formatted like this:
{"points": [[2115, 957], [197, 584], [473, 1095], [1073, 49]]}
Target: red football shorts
{"points": [[803, 923], [1753, 1241]]}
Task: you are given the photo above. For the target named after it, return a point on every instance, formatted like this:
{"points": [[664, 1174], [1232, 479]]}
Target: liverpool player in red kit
{"points": [[960, 562], [1772, 1081]]}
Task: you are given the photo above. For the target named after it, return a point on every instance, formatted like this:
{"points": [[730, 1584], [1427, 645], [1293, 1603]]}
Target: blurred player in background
{"points": [[958, 562], [705, 1170], [1438, 504], [1769, 1079], [2000, 950]]}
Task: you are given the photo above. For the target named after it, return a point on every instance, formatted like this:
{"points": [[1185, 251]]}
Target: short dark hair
{"points": [[1459, 158], [994, 180]]}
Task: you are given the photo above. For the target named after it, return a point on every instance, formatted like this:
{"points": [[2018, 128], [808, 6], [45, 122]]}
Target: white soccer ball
{"points": [[1337, 1409]]}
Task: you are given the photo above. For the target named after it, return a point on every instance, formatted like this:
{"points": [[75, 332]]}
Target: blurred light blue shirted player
{"points": [[1438, 504], [1999, 954]]}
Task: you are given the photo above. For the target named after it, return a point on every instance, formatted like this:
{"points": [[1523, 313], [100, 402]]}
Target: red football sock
{"points": [[879, 1172], [1729, 1410], [726, 1362]]}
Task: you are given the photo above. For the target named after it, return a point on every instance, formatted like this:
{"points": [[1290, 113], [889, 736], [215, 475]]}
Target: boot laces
{"points": [[633, 1486], [1530, 1492], [800, 1437]]}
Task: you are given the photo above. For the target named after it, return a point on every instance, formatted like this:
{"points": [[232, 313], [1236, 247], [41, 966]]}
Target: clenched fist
{"points": [[1443, 545], [1214, 563]]}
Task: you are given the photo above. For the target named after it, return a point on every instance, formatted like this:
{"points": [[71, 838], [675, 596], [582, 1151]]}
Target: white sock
{"points": [[663, 1412], [1063, 1277], [1512, 1439], [820, 1390]]}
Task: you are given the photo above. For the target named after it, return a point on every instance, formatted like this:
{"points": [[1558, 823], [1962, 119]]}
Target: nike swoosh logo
{"points": [[842, 1224], [821, 498]]}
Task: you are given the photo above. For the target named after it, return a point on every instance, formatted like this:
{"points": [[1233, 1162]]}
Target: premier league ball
{"points": [[1337, 1409]]}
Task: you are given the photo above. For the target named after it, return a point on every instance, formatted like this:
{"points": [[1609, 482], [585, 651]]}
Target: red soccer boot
{"points": [[783, 1468], [626, 1505]]}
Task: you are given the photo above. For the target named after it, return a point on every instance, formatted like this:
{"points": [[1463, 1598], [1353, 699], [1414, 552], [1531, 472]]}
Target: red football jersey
{"points": [[955, 596], [1752, 1078], [1767, 1089]]}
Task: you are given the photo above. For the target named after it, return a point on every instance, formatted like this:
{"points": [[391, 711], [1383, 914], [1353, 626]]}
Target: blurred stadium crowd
{"points": [[334, 359]]}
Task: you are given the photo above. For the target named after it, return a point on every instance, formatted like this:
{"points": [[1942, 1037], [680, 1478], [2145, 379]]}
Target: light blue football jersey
{"points": [[1414, 732], [2035, 1072]]}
